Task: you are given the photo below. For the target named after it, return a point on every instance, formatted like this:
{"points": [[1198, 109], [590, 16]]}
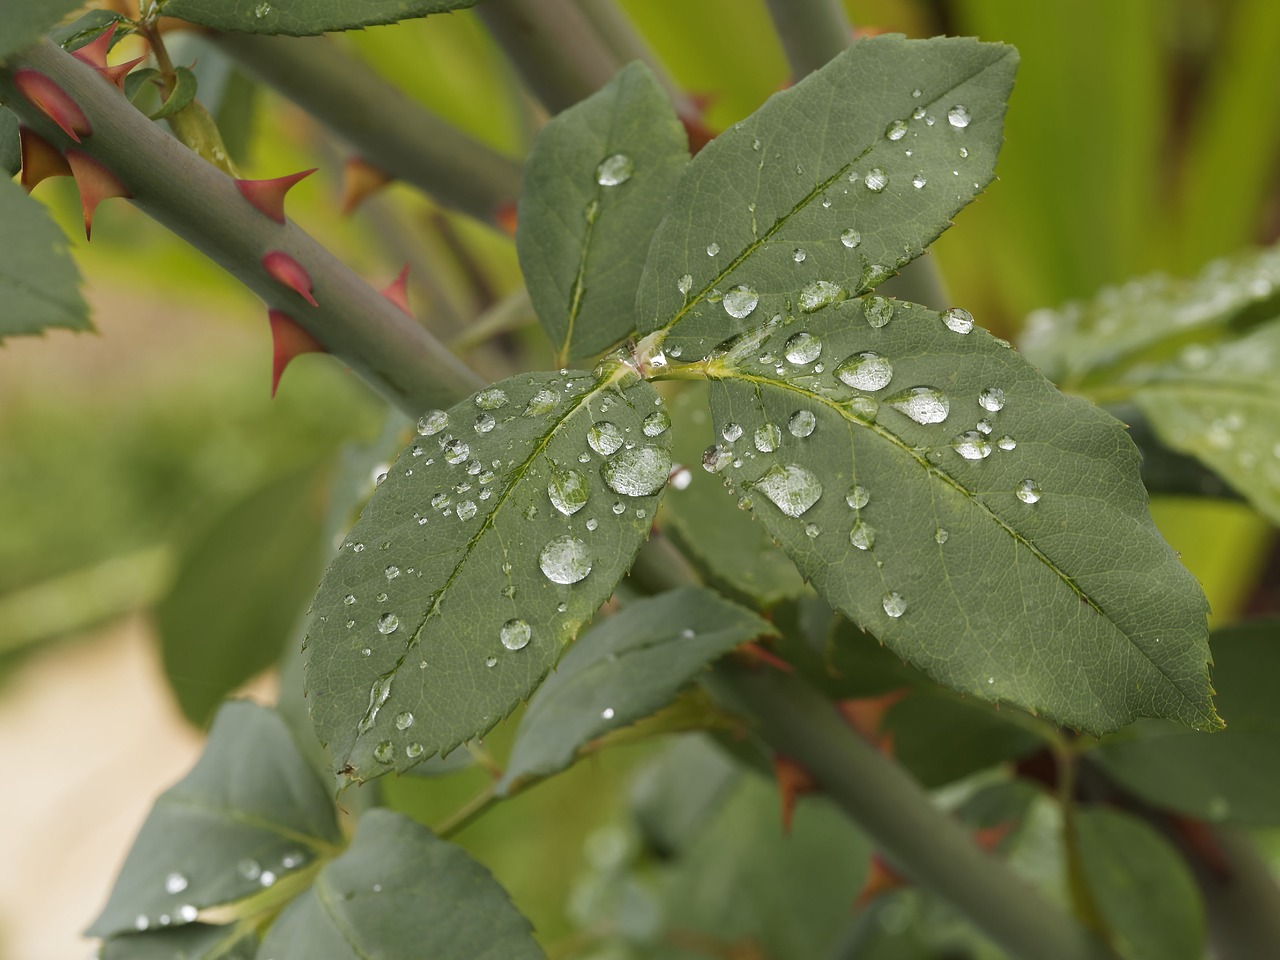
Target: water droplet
{"points": [[878, 311], [972, 445], [863, 535], [896, 130], [863, 408], [605, 438], [922, 404], [731, 431], [141, 923], [1006, 442], [819, 294], [440, 500], [349, 599], [541, 403], [357, 548], [865, 371], [893, 604], [175, 883], [812, 531], [958, 117], [1028, 491], [267, 878], [619, 508], [249, 868], [638, 472], [491, 398], [515, 634], [391, 573], [432, 422], [792, 489], [857, 497], [798, 255], [918, 181], [378, 694], [802, 423], [606, 713], [474, 468], [568, 491], [851, 238], [262, 10], [490, 661], [384, 752], [958, 320], [685, 284], [940, 536], [712, 249], [876, 180], [656, 423], [455, 451], [388, 623], [413, 751], [802, 348], [484, 423], [767, 437], [466, 509], [565, 560], [614, 170], [716, 457], [740, 301], [404, 720], [992, 399]]}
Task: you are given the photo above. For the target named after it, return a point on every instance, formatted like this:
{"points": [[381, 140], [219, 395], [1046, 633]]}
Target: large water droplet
{"points": [[716, 457], [803, 347], [972, 445], [863, 535], [565, 560], [865, 371], [432, 422], [802, 423], [685, 284], [851, 238], [878, 311], [792, 488], [740, 301], [605, 438], [484, 423], [893, 604], [857, 497], [876, 180], [378, 695], [918, 181], [388, 623], [568, 491], [1007, 443], [384, 752], [819, 294], [1028, 491], [614, 170], [638, 472], [491, 398], [175, 883], [656, 423], [896, 130], [767, 437], [958, 116], [992, 399], [958, 320], [404, 720], [455, 451], [466, 509], [731, 431], [541, 403], [922, 404], [515, 634], [799, 255]]}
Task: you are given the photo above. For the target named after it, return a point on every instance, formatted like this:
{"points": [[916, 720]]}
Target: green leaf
{"points": [[39, 282], [239, 591], [1142, 887], [250, 814], [674, 797], [25, 21], [595, 187], [1231, 775], [10, 147], [1016, 565], [399, 892], [304, 18], [812, 196], [628, 667], [184, 91], [192, 941], [495, 536], [731, 550]]}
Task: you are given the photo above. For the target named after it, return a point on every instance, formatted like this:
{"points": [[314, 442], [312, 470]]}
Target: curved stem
{"points": [[468, 812], [811, 31]]}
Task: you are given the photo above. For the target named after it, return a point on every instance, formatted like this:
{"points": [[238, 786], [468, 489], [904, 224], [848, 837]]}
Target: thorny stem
{"points": [[811, 31]]}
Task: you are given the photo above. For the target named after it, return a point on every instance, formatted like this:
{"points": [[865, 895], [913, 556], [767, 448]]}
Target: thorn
{"points": [[95, 183], [505, 219], [881, 878], [53, 101], [288, 340], [794, 781], [268, 195], [117, 73], [866, 714], [988, 838], [692, 116], [397, 291], [360, 179], [285, 270], [40, 159], [756, 654], [95, 52]]}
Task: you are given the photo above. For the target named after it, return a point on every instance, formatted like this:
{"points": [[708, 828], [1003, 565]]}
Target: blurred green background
{"points": [[1140, 137]]}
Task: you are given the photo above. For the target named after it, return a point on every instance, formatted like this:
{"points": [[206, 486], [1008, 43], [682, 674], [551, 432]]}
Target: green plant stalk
{"points": [[202, 205], [811, 31], [627, 44], [1241, 905], [390, 131]]}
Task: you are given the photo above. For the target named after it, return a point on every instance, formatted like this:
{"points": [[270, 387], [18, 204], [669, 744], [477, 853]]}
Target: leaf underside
{"points": [[39, 282], [25, 21], [302, 18]]}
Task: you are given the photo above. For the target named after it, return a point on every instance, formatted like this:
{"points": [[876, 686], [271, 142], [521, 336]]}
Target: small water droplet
{"points": [[605, 438], [716, 457], [803, 348], [432, 422], [391, 572], [972, 445], [712, 249], [440, 500], [541, 403], [378, 694], [851, 238], [916, 93], [940, 536], [857, 497], [490, 661], [798, 255], [466, 509], [175, 883], [740, 302], [388, 623], [992, 399], [565, 560], [792, 489], [568, 491], [141, 923], [491, 398], [614, 170], [1006, 442], [802, 423], [685, 284], [638, 472], [413, 751], [731, 431], [876, 180], [896, 130], [404, 720], [893, 604], [619, 508], [958, 117], [484, 423], [918, 181], [656, 423], [266, 878], [865, 370], [819, 294], [384, 752], [922, 404], [958, 320], [878, 311], [767, 437], [262, 10], [249, 868], [456, 451], [606, 713], [1028, 491], [863, 535], [357, 548], [515, 634]]}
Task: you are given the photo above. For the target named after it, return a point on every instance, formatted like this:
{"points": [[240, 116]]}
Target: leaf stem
{"points": [[1086, 907], [469, 811], [811, 31]]}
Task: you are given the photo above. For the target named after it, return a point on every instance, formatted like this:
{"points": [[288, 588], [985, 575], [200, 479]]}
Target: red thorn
{"points": [[988, 838], [40, 159], [268, 195], [794, 781], [285, 270], [288, 340], [504, 218], [117, 73], [53, 101], [360, 179], [95, 52], [692, 115], [397, 291], [95, 183], [881, 878], [754, 653], [866, 714]]}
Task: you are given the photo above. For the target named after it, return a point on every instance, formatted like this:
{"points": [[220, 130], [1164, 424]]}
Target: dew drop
{"points": [[378, 694], [876, 180], [606, 713], [819, 294], [614, 170], [490, 661], [865, 371], [972, 445], [656, 423], [731, 431], [638, 472], [716, 457], [619, 508], [466, 509], [491, 398], [685, 284], [413, 751], [958, 117], [262, 10], [541, 403], [391, 572], [857, 497], [175, 883], [802, 423], [712, 249], [878, 311], [605, 438], [515, 634], [455, 451], [792, 489], [893, 604], [432, 422], [384, 752], [349, 599], [484, 423], [958, 320], [388, 623], [922, 404], [1028, 491], [767, 437], [992, 399], [803, 348], [1006, 442], [851, 238], [565, 560], [592, 523], [918, 181], [440, 500], [863, 535], [798, 255], [896, 130], [404, 720], [568, 491], [940, 536], [740, 302], [249, 868]]}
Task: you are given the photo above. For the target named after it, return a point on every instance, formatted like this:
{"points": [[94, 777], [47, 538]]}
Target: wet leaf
{"points": [[595, 186], [251, 814], [623, 670], [301, 18], [193, 941], [39, 282], [806, 201], [25, 21], [496, 535], [399, 892], [10, 148]]}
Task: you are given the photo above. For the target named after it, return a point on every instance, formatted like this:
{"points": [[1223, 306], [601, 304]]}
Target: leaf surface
{"points": [[817, 190], [398, 891], [623, 670], [302, 18], [946, 497], [10, 146], [192, 941], [495, 536], [26, 20], [39, 282], [250, 814], [595, 187]]}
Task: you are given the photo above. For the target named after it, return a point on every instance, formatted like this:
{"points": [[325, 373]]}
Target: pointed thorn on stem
{"points": [[397, 291], [881, 878], [866, 714], [505, 219], [53, 102], [794, 781], [95, 52], [268, 195], [287, 271], [40, 159], [95, 183], [288, 340], [360, 179]]}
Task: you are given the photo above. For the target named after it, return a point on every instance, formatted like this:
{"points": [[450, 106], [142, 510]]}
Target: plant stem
{"points": [[477, 805], [928, 847], [811, 31], [554, 47], [388, 130], [626, 44], [201, 204], [1242, 905]]}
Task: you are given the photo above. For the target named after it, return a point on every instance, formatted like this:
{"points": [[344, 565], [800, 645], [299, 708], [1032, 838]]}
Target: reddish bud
{"points": [[268, 195], [794, 781], [95, 183], [397, 291], [40, 159], [287, 271], [288, 340], [866, 714], [505, 219], [53, 102], [360, 179]]}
